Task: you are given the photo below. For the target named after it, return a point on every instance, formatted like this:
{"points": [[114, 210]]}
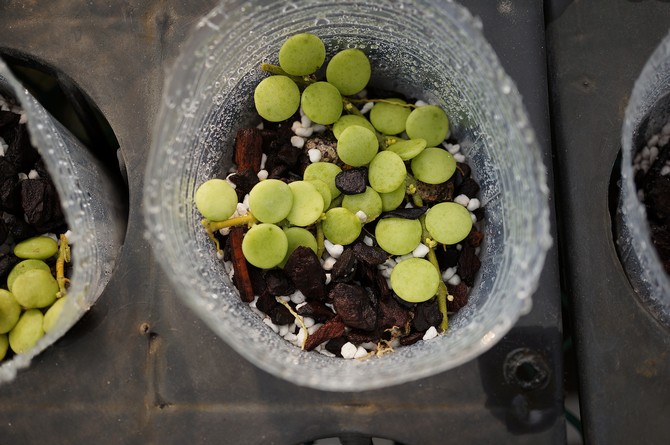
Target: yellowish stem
{"points": [[63, 257], [213, 226], [301, 81], [320, 238], [442, 292], [298, 318]]}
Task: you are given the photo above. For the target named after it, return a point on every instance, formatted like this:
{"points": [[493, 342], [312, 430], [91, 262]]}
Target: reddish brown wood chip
{"points": [[331, 329], [241, 276], [248, 149]]}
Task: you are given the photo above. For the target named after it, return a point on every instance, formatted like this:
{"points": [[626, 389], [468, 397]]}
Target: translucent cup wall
{"points": [[92, 209], [437, 54], [648, 110]]}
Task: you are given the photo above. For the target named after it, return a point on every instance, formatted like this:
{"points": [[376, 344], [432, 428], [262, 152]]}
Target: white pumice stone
{"points": [[459, 157], [664, 140], [299, 305], [291, 337], [367, 107], [653, 140], [224, 231], [308, 321], [404, 257], [474, 204], [297, 297], [420, 251], [326, 352], [362, 216], [219, 255], [368, 241], [315, 327], [263, 174], [430, 333], [454, 280], [665, 170], [304, 132], [264, 159], [666, 129], [22, 176], [653, 154], [318, 128], [462, 200], [314, 155], [329, 278], [295, 126], [284, 298], [328, 263], [334, 250], [283, 330], [297, 141], [360, 352], [420, 103], [273, 326], [459, 247], [452, 148], [448, 273], [369, 346], [473, 217], [305, 121], [348, 350], [260, 126], [23, 119]]}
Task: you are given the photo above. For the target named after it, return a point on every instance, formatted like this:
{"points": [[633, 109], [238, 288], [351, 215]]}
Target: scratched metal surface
{"points": [[597, 49], [140, 368]]}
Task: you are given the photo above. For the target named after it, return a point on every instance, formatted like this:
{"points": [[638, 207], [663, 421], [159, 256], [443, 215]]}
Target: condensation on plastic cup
{"points": [[92, 208], [647, 112], [436, 54]]}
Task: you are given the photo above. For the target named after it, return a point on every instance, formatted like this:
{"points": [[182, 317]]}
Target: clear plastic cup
{"points": [[434, 53], [647, 112], [92, 207]]}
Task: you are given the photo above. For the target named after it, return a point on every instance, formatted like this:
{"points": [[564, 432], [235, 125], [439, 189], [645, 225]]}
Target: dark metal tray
{"points": [[597, 49]]}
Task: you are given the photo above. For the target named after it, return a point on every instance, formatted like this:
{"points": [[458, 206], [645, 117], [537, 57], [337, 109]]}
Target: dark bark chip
{"points": [[352, 303], [352, 181], [41, 204], [304, 269]]}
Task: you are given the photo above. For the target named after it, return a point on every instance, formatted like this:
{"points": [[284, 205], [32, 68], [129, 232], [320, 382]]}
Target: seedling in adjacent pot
{"points": [[33, 265]]}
